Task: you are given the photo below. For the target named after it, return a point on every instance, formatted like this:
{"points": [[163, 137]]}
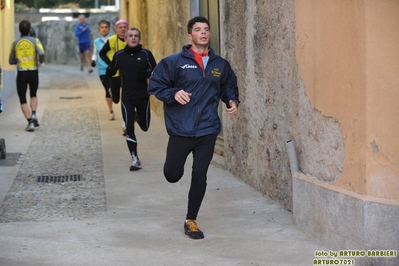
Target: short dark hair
{"points": [[134, 29], [194, 20], [104, 22], [24, 27]]}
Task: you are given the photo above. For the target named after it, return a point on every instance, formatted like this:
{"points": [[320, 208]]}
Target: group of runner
{"points": [[190, 83]]}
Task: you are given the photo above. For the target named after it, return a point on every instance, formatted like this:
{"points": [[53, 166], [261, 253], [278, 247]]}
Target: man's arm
{"points": [[160, 84], [229, 88], [78, 30], [39, 50], [103, 53], [113, 67], [151, 64], [12, 60], [94, 56]]}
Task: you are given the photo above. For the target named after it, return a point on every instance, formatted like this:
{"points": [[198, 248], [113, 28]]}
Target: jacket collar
{"points": [[132, 50], [186, 51]]}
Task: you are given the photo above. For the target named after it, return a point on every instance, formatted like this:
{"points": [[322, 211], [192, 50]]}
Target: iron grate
{"points": [[58, 178], [11, 159], [70, 97]]}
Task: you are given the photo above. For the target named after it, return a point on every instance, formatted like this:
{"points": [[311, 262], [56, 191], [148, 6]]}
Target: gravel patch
{"points": [[67, 143]]}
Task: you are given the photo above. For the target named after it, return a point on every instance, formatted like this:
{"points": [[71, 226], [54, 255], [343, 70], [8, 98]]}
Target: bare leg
{"points": [[109, 103], [88, 58], [25, 110], [33, 103], [81, 55]]}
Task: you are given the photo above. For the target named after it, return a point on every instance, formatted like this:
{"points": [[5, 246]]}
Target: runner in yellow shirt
{"points": [[28, 54]]}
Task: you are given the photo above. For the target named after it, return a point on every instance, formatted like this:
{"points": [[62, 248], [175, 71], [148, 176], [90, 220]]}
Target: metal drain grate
{"points": [[58, 178], [11, 159], [70, 97]]}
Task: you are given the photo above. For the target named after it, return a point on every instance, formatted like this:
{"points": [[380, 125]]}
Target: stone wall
{"points": [[258, 38], [58, 36]]}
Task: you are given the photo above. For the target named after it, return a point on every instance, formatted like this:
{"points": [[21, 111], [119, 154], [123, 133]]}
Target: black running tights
{"points": [[135, 110], [176, 155], [115, 83]]}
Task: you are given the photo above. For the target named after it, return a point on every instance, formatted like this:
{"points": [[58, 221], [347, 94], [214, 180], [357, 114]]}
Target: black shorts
{"points": [[25, 78]]}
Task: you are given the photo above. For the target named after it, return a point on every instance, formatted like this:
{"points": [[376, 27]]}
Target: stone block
{"points": [[345, 220]]}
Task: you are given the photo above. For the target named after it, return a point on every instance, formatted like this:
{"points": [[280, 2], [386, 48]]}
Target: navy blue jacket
{"points": [[180, 71]]}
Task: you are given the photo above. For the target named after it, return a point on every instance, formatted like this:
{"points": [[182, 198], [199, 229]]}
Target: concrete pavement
{"points": [[143, 219]]}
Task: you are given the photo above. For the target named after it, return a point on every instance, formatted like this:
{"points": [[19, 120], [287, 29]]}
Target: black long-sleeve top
{"points": [[135, 65]]}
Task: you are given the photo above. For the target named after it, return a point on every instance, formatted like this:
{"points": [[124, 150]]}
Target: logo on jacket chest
{"points": [[216, 72], [188, 66]]}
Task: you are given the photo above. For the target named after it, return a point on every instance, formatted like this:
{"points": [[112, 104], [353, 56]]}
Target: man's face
{"points": [[121, 30], [200, 35], [82, 20], [132, 38], [104, 29]]}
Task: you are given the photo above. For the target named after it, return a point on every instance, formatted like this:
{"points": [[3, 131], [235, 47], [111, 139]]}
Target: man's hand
{"points": [[93, 63], [233, 108], [182, 97], [110, 71]]}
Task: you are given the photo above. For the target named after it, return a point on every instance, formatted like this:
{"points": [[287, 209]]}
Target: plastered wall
{"points": [[348, 59], [163, 28], [7, 37], [258, 38]]}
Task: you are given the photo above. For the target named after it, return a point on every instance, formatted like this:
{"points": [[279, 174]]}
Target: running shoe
{"points": [[35, 120], [112, 116], [90, 70], [136, 165], [30, 127], [81, 67], [191, 229]]}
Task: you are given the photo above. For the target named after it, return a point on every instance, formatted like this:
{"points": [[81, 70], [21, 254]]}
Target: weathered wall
{"points": [[163, 28], [8, 86], [382, 68], [258, 38], [59, 39], [353, 47]]}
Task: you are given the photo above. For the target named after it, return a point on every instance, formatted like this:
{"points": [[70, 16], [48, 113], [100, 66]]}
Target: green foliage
{"points": [[49, 3], [20, 7], [24, 3], [69, 5]]}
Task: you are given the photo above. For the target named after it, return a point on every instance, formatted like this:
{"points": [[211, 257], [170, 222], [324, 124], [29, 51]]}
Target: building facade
{"points": [[320, 73]]}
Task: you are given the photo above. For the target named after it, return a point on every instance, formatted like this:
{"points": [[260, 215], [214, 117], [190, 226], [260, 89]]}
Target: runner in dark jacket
{"points": [[135, 65], [191, 84], [207, 87]]}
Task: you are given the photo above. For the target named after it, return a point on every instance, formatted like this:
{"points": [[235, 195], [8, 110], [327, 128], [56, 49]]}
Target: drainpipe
{"points": [[292, 156]]}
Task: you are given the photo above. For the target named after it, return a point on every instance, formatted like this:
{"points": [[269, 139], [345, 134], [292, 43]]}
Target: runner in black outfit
{"points": [[135, 65]]}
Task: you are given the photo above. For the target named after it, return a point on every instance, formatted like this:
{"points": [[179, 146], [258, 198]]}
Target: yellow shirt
{"points": [[26, 52], [115, 45]]}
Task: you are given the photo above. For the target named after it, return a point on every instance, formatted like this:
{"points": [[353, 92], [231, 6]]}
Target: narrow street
{"points": [[111, 216]]}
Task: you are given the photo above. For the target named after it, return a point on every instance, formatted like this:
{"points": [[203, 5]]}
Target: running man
{"points": [[82, 31], [191, 84], [115, 43], [101, 65], [135, 65], [28, 54]]}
